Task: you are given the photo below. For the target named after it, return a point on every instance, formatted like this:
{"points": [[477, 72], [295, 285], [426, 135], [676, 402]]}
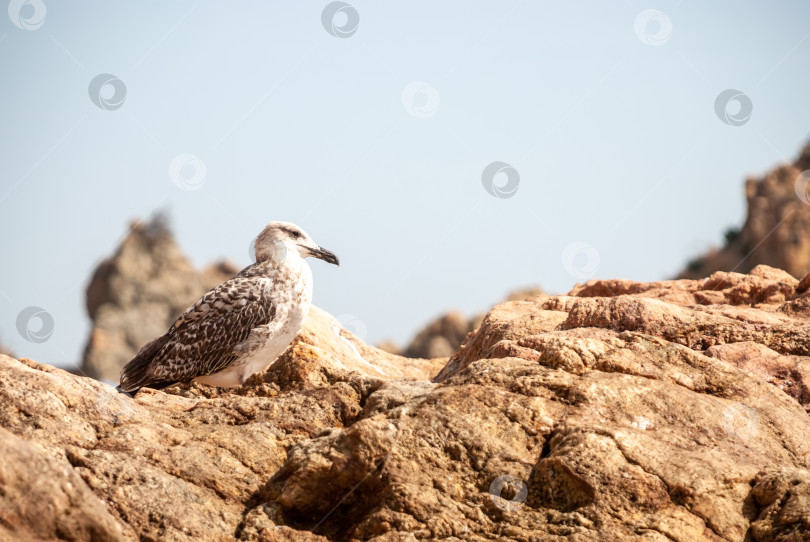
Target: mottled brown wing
{"points": [[204, 339]]}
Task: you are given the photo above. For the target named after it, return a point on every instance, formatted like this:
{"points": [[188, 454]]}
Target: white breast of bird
{"points": [[290, 289]]}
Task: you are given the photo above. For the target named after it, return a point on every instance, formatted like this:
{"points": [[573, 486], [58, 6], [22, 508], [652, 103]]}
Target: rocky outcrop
{"points": [[136, 294], [658, 411], [441, 337], [776, 231]]}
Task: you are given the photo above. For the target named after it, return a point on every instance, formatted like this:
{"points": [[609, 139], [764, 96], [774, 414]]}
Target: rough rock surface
{"points": [[776, 231], [135, 295], [667, 411]]}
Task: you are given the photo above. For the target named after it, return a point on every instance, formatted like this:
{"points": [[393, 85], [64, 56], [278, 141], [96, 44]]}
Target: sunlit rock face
{"points": [[670, 410]]}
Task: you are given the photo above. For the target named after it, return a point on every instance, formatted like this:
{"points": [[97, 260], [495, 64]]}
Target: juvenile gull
{"points": [[239, 327]]}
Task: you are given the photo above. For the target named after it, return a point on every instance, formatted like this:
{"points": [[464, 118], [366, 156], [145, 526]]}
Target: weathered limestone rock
{"points": [[136, 294], [44, 498], [776, 231], [441, 337], [622, 411]]}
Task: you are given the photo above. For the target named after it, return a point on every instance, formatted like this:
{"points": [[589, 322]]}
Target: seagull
{"points": [[239, 327]]}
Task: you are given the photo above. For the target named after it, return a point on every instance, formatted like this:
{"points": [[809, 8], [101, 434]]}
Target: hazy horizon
{"points": [[612, 158]]}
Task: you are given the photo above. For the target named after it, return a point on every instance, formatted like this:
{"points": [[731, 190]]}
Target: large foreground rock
{"points": [[622, 411]]}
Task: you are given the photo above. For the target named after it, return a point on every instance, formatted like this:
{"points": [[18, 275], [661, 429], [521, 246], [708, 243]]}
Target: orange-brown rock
{"points": [[441, 337], [136, 294], [776, 231], [622, 411]]}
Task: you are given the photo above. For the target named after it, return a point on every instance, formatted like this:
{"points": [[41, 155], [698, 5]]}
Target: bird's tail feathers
{"points": [[119, 389], [136, 374]]}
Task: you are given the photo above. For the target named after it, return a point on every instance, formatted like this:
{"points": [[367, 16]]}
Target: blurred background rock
{"points": [[776, 230], [138, 292], [377, 143]]}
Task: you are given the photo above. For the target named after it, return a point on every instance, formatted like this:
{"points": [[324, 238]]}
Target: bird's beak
{"points": [[325, 255]]}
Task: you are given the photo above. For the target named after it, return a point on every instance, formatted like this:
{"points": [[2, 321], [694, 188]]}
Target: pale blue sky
{"points": [[615, 140]]}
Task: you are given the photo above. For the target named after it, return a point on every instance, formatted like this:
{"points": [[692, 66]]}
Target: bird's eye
{"points": [[295, 234]]}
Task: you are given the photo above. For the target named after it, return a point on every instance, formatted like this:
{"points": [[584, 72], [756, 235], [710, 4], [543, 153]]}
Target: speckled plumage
{"points": [[239, 327]]}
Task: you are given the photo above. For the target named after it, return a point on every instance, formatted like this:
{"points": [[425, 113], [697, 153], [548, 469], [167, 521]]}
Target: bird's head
{"points": [[280, 239]]}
